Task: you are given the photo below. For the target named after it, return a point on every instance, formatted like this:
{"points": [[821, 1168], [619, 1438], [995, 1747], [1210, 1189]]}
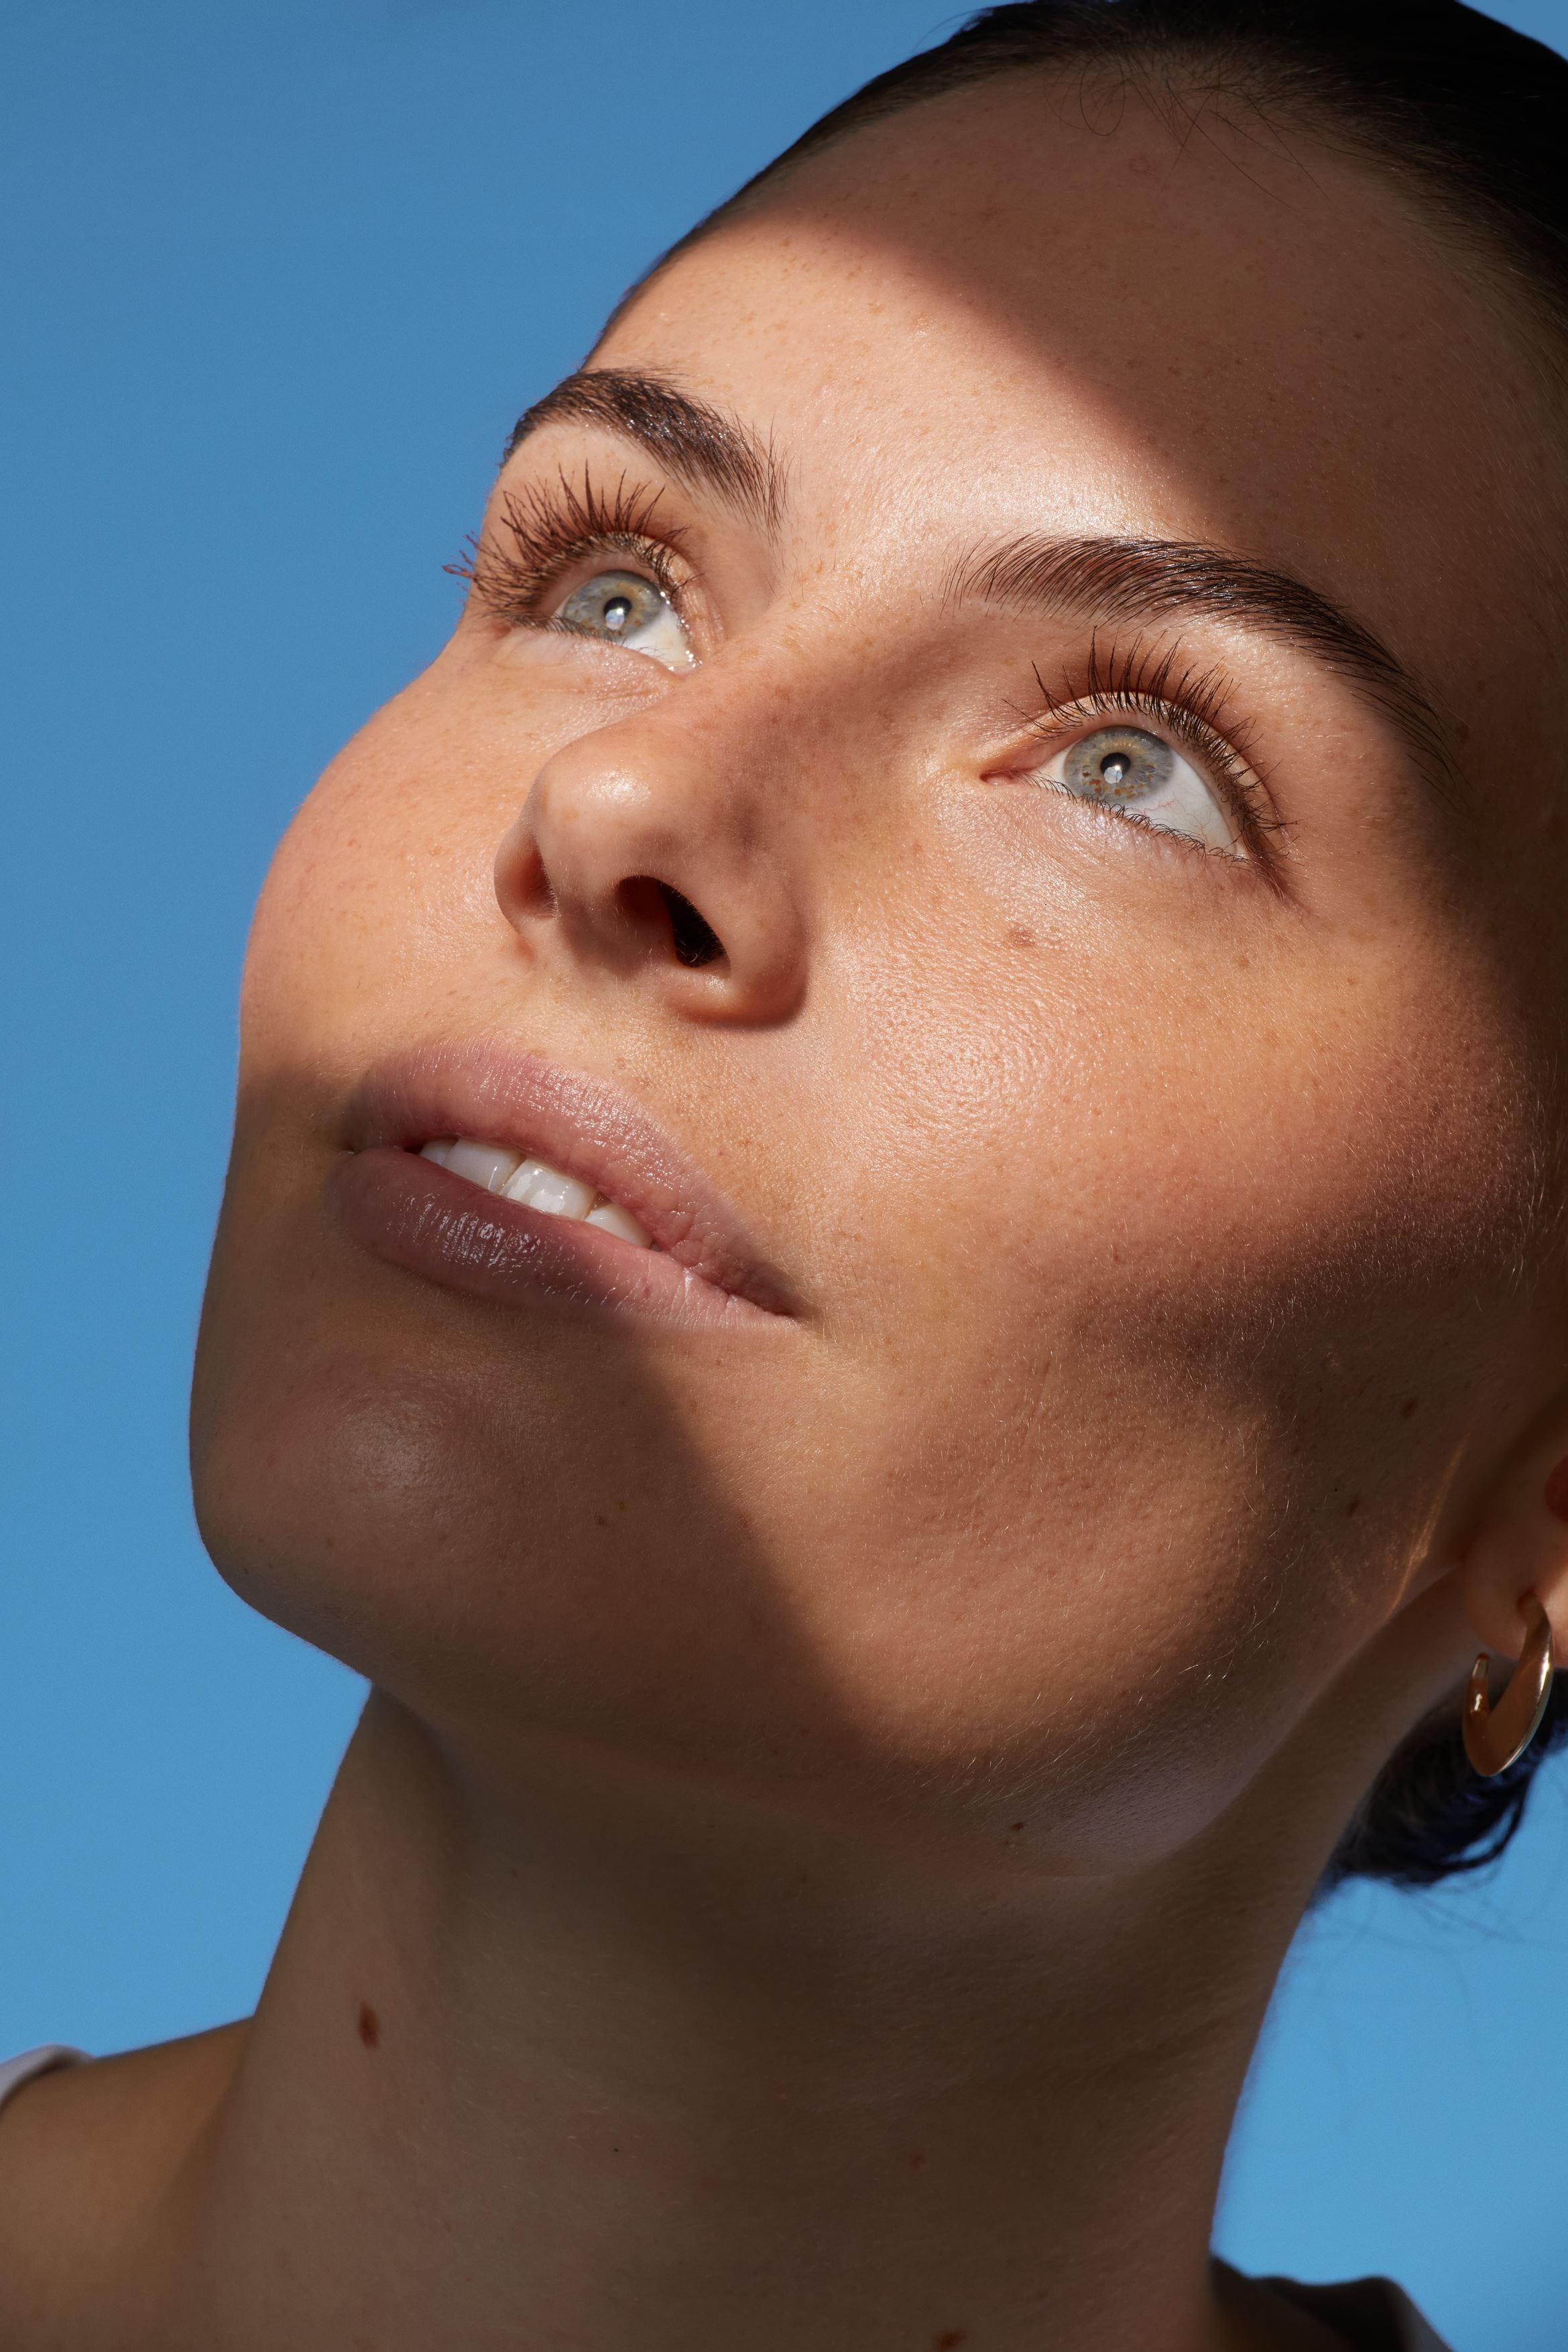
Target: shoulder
{"points": [[46, 2060], [87, 2150], [1367, 2315]]}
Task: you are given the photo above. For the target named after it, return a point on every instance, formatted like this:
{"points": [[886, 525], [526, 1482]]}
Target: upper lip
{"points": [[584, 1125]]}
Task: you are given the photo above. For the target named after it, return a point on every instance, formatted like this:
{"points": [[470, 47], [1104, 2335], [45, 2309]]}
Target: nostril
{"points": [[695, 942], [649, 906]]}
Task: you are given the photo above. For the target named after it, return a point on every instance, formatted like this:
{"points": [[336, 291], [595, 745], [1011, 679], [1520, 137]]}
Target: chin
{"points": [[532, 1539], [478, 1563]]}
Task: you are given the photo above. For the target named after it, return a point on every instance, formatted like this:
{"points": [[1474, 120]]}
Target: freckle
{"points": [[1408, 1407], [1352, 1507], [600, 1519], [370, 2026], [1019, 936], [1556, 1495]]}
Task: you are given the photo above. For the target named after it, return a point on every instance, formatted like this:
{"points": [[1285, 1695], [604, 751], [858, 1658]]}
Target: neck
{"points": [[600, 2069]]}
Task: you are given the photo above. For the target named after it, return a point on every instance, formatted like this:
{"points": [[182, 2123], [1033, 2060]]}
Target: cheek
{"points": [[1159, 1328], [1179, 1149], [380, 893]]}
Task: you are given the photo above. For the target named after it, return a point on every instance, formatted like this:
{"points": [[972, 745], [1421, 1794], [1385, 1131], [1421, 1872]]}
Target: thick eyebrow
{"points": [[701, 447], [1111, 581]]}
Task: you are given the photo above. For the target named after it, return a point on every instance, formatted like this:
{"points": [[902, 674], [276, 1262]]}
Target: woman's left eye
{"points": [[624, 609], [1141, 775]]}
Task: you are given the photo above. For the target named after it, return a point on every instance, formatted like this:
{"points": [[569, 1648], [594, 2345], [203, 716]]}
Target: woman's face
{"points": [[1067, 1012]]}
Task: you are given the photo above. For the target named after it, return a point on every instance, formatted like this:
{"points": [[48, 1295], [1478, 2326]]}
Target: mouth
{"points": [[498, 1174], [494, 1169]]}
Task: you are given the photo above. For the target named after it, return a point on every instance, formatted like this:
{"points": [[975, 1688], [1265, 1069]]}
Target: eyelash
{"points": [[1136, 681], [551, 528], [547, 528]]}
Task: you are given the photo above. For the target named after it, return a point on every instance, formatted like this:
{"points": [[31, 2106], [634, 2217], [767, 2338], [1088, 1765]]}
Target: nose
{"points": [[652, 851]]}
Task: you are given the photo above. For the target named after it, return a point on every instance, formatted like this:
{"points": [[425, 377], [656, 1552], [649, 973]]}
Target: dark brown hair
{"points": [[1468, 113], [1473, 118]]}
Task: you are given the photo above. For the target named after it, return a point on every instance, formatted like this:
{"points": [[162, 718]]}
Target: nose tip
{"points": [[647, 877]]}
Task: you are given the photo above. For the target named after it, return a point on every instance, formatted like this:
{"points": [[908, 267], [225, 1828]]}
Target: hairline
{"points": [[1468, 230]]}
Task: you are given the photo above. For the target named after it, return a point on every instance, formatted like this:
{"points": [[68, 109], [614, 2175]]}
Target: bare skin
{"points": [[843, 1775]]}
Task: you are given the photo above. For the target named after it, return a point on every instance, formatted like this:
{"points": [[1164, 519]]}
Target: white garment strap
{"points": [[15, 2072]]}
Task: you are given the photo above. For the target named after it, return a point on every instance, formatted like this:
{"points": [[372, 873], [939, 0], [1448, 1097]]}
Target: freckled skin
{"points": [[836, 1795], [1089, 1356]]}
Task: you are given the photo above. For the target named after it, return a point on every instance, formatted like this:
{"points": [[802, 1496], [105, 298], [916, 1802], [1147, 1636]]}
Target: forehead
{"points": [[1028, 306]]}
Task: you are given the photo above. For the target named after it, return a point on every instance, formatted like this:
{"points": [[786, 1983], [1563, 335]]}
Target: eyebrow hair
{"points": [[1114, 580], [1105, 579], [699, 445]]}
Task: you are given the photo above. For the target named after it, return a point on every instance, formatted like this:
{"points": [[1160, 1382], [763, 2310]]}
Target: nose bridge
{"points": [[702, 761], [662, 846]]}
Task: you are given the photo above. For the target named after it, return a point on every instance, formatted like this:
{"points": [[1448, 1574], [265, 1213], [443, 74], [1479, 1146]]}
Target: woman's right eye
{"points": [[624, 609]]}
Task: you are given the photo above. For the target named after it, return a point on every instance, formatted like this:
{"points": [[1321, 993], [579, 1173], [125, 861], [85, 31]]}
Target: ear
{"points": [[1521, 1543]]}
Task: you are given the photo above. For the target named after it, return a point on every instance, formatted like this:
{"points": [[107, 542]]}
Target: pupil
{"points": [[1113, 767], [618, 612]]}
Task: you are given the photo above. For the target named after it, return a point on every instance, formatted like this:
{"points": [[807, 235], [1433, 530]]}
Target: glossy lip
{"points": [[704, 1267]]}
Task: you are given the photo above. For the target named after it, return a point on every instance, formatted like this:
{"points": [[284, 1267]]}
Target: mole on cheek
{"points": [[1556, 1495], [370, 2026]]}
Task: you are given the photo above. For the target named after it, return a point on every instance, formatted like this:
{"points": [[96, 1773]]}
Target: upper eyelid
{"points": [[608, 554], [535, 536], [1190, 727], [1139, 674], [1190, 712]]}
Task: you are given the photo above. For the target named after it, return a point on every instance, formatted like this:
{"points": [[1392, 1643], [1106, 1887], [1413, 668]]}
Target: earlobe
{"points": [[1520, 1546], [1556, 1492], [1514, 1577]]}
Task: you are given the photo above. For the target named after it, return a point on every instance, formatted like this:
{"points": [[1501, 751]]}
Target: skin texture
{"points": [[841, 1783]]}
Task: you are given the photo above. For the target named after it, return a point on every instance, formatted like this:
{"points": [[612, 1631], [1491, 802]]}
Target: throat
{"points": [[587, 2051]]}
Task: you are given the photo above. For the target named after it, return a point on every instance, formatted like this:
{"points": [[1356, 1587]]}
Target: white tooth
{"points": [[519, 1184], [612, 1220], [558, 1195], [438, 1151], [482, 1163]]}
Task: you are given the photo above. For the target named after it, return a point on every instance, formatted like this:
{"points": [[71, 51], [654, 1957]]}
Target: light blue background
{"points": [[277, 278]]}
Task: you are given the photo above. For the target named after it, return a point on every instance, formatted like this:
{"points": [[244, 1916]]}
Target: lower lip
{"points": [[419, 1216]]}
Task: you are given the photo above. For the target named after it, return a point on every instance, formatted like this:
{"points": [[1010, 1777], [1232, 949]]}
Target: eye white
{"points": [[622, 608], [1139, 774]]}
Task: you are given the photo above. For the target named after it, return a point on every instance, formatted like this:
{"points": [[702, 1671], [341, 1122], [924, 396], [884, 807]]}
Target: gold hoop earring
{"points": [[1495, 1736]]}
